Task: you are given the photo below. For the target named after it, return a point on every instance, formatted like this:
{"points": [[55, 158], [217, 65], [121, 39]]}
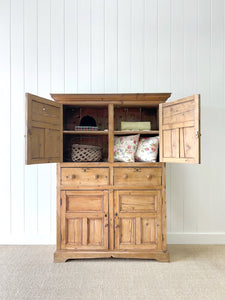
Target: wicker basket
{"points": [[86, 153]]}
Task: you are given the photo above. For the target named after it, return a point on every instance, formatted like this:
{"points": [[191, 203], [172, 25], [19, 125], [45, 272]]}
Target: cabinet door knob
{"points": [[149, 176], [72, 176], [125, 176], [43, 108], [96, 176]]}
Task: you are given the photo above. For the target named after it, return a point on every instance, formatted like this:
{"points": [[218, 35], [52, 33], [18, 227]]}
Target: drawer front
{"points": [[137, 176], [84, 176]]}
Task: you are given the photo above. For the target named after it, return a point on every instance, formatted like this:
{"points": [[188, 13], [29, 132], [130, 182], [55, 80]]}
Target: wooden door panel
{"points": [[53, 145], [84, 220], [179, 123], [137, 220], [127, 231], [137, 201], [74, 231], [95, 228], [148, 230], [44, 130], [82, 203], [38, 143], [45, 112]]}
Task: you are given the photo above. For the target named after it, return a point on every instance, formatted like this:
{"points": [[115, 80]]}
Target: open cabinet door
{"points": [[179, 126], [44, 130]]}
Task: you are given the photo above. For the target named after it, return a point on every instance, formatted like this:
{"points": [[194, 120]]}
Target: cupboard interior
{"points": [[135, 114], [72, 116]]}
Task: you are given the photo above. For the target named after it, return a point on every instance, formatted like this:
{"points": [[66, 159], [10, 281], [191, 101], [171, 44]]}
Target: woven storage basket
{"points": [[86, 153]]}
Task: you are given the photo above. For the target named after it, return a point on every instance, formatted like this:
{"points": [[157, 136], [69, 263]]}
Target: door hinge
{"points": [[197, 134]]}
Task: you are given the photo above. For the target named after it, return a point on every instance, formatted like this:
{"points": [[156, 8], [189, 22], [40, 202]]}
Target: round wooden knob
{"points": [[72, 176], [149, 176], [125, 176], [96, 176]]}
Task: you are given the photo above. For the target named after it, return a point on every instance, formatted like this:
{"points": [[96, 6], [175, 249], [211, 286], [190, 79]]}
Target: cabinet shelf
{"points": [[85, 132], [126, 132]]}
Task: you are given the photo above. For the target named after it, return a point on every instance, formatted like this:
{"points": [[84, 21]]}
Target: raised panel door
{"points": [[84, 220], [44, 130], [179, 123], [137, 219]]}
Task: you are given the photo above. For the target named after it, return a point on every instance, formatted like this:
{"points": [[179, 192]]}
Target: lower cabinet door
{"points": [[84, 220], [137, 219]]}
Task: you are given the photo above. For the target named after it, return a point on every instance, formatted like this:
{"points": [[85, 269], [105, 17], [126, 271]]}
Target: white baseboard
{"points": [[214, 238], [172, 238]]}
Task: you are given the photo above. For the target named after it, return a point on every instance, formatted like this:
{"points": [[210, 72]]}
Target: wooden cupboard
{"points": [[108, 208]]}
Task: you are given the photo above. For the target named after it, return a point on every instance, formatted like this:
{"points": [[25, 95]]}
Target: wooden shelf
{"points": [[126, 132], [85, 132]]}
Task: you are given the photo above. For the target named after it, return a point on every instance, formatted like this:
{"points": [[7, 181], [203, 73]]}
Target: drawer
{"points": [[84, 176], [46, 113], [137, 176]]}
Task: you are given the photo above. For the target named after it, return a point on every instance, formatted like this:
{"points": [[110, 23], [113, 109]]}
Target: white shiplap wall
{"points": [[112, 46]]}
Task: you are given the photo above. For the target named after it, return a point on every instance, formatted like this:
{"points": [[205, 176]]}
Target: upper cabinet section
{"points": [[44, 130], [83, 127], [179, 124]]}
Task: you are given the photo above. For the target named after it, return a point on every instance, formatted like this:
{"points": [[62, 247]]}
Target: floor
{"points": [[195, 272]]}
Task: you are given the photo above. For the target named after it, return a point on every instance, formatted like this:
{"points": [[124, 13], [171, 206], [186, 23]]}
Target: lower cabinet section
{"points": [[84, 220], [112, 220], [136, 224]]}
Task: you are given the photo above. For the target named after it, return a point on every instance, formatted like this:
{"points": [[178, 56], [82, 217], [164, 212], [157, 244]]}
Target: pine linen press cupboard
{"points": [[107, 208]]}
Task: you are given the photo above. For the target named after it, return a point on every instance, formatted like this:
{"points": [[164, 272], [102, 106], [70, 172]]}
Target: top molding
{"points": [[148, 99]]}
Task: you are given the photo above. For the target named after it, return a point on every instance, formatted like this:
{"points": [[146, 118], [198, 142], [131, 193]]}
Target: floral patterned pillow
{"points": [[147, 149], [125, 147]]}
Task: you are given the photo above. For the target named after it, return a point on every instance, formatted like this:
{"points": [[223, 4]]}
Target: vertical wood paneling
{"points": [[45, 174], [5, 113], [137, 46], [217, 107], [57, 45], [124, 46], [30, 69], [111, 46], [17, 117], [190, 173], [97, 46], [71, 45], [84, 46], [175, 172], [150, 45], [164, 34], [204, 62], [57, 79]]}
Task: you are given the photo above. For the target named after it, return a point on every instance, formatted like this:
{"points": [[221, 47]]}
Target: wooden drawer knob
{"points": [[96, 176], [43, 108], [72, 176], [149, 176], [125, 176]]}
